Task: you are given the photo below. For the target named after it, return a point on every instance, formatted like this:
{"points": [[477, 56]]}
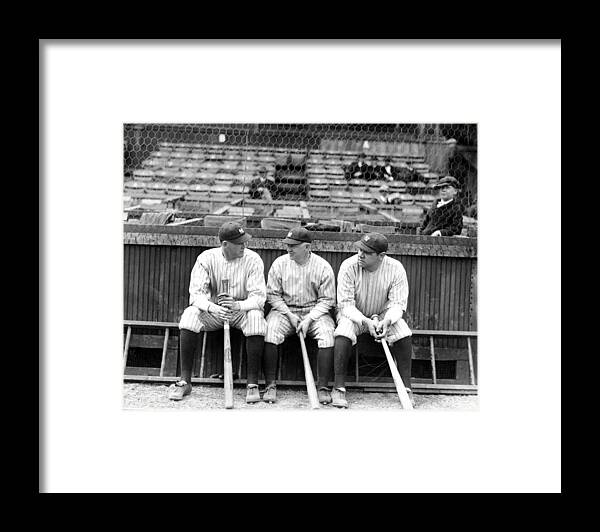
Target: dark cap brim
{"points": [[240, 240], [294, 242], [360, 244]]}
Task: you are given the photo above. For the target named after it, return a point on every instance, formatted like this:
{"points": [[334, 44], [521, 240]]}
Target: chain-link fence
{"points": [[393, 178]]}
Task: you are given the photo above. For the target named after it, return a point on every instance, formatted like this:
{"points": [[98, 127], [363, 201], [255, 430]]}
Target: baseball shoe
{"points": [[270, 395], [178, 390], [324, 395], [252, 394], [338, 398]]}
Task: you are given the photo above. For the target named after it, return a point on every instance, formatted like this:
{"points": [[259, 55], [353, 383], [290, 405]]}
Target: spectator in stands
{"points": [[383, 196], [445, 217], [361, 170], [262, 187], [387, 172]]}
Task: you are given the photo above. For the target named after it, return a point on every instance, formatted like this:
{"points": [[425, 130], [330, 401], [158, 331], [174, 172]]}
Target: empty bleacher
{"points": [[202, 179]]}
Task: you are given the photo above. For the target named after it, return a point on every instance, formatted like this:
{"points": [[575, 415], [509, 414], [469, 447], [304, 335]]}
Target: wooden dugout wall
{"points": [[442, 276]]}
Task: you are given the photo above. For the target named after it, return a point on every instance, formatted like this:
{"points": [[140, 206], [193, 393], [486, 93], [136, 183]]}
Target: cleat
{"points": [[324, 396], [270, 395], [252, 395], [179, 390], [338, 398]]}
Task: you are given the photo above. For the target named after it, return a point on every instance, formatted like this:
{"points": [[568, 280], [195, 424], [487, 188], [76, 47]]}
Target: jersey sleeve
{"points": [[326, 293], [255, 284], [275, 288], [397, 296], [200, 292], [345, 294]]}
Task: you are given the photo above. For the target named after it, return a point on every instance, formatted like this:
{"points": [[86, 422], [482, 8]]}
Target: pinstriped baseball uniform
{"points": [[246, 285], [361, 293], [307, 289]]}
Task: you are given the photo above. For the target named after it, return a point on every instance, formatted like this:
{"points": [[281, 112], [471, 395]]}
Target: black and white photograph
{"points": [[337, 262], [300, 266]]}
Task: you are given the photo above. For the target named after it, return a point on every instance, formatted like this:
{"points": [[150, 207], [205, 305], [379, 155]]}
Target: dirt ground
{"points": [[154, 396]]}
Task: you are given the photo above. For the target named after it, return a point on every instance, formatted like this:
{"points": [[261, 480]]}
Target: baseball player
{"points": [[243, 306], [371, 284], [301, 292]]}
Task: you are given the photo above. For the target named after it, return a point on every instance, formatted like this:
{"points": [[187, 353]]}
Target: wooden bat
{"points": [[227, 364], [308, 375], [400, 388]]}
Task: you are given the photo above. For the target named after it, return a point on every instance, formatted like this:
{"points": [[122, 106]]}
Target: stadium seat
{"points": [[143, 174], [318, 195], [217, 220], [157, 218], [384, 229], [279, 223], [240, 211]]}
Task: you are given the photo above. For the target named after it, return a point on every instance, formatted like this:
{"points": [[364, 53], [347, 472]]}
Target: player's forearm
{"points": [[394, 313], [322, 307], [353, 314], [253, 302], [277, 303], [200, 301]]}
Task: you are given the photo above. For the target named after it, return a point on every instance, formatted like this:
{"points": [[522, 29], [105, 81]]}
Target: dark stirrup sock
{"points": [[402, 352], [188, 340], [325, 366], [270, 359], [341, 354], [254, 350]]}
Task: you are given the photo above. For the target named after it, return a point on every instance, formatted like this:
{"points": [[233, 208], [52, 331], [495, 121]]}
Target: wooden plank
{"points": [[225, 208], [171, 362], [151, 341], [203, 354], [164, 352], [186, 222], [471, 369], [430, 332], [432, 360], [126, 350], [157, 324], [372, 208], [441, 353]]}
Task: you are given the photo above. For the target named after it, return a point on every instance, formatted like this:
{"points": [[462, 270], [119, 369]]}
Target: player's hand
{"points": [[223, 313], [228, 302], [382, 329], [303, 326], [294, 320], [436, 233], [372, 326]]}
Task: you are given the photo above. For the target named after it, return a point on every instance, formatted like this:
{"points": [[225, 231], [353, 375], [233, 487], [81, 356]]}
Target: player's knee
{"points": [[256, 324], [324, 343], [273, 338], [190, 320]]}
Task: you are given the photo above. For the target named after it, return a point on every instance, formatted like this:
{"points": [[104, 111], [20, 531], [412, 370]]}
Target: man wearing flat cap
{"points": [[240, 300], [301, 292], [445, 216], [372, 295]]}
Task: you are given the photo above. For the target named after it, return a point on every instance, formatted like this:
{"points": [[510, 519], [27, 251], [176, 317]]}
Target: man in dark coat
{"points": [[360, 170], [387, 172], [445, 217]]}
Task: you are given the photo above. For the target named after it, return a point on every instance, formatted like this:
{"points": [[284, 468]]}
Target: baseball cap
{"points": [[373, 242], [233, 232], [448, 180], [298, 235]]}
